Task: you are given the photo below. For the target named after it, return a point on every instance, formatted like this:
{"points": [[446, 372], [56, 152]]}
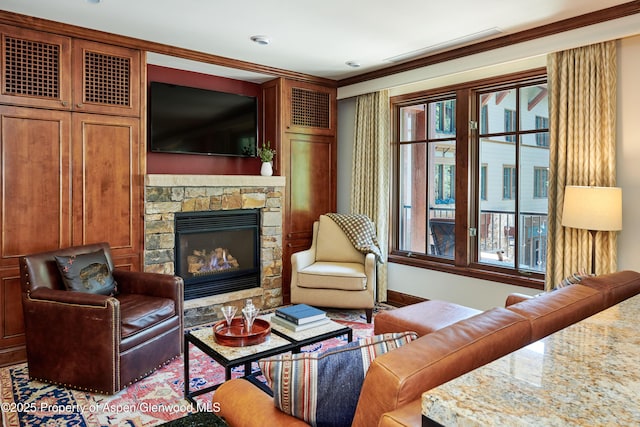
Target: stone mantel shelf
{"points": [[167, 180]]}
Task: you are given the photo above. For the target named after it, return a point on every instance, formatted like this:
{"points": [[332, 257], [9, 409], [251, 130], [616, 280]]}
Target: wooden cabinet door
{"points": [[107, 183], [309, 109], [309, 164], [106, 79], [36, 68], [35, 174]]}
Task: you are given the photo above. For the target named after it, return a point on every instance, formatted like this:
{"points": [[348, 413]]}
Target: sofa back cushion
{"points": [[615, 287], [400, 377], [555, 310], [332, 245]]}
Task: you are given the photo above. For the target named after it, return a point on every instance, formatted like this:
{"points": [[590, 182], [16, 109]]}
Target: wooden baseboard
{"points": [[398, 299], [13, 355]]}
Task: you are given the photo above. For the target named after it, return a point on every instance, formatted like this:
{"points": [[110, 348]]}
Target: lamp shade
{"points": [[592, 208]]}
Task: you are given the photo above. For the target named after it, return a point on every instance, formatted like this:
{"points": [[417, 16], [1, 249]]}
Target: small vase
{"points": [[266, 169]]}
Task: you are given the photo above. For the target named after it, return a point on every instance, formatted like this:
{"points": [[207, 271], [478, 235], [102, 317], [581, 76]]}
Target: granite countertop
{"points": [[585, 374]]}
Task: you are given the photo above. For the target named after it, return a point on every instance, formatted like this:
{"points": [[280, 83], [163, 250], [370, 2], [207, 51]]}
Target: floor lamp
{"points": [[594, 209]]}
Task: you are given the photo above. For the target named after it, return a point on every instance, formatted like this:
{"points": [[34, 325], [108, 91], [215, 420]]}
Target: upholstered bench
{"points": [[422, 318]]}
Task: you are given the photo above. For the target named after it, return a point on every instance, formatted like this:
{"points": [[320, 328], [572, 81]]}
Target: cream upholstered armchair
{"points": [[333, 273]]}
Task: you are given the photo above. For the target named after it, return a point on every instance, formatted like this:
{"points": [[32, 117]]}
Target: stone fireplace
{"points": [[171, 196]]}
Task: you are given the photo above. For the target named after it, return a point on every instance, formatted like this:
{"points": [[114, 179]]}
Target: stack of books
{"points": [[299, 317]]}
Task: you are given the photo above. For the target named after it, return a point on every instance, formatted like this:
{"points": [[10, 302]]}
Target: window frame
{"points": [[467, 190]]}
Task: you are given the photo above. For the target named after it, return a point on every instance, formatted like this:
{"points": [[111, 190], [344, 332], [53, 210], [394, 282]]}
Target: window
{"points": [[542, 138], [509, 124], [483, 182], [427, 178], [473, 202], [509, 182], [540, 182]]}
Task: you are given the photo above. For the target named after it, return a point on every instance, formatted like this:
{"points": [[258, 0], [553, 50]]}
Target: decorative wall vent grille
{"points": [[106, 79], [309, 108], [31, 68]]}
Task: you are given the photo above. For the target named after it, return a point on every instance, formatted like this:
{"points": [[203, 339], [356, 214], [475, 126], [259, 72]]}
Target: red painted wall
{"points": [[194, 164]]}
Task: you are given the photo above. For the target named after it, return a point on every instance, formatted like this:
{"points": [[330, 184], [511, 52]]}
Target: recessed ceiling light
{"points": [[353, 64], [94, 1], [261, 40]]}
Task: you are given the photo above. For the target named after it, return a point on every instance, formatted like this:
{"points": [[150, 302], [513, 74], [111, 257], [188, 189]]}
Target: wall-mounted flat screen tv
{"points": [[199, 121]]}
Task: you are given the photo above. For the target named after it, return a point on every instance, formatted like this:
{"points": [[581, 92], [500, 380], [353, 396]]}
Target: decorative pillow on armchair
{"points": [[323, 388], [88, 273]]}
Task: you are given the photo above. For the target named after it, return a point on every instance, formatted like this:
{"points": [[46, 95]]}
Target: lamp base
{"points": [[593, 251]]}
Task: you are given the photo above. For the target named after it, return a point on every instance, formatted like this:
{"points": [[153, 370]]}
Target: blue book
{"points": [[300, 313]]}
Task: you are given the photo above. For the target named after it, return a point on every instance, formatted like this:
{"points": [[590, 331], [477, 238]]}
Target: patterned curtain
{"points": [[370, 176], [582, 103]]}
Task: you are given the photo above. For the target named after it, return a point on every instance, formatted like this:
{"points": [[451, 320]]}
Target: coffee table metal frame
{"points": [[294, 345]]}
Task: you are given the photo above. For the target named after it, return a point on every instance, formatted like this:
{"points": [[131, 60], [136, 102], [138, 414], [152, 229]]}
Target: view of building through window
{"points": [[513, 213], [510, 167]]}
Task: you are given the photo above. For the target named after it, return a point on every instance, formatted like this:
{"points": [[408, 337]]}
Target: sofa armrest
{"points": [[241, 404], [515, 298], [152, 284], [409, 415]]}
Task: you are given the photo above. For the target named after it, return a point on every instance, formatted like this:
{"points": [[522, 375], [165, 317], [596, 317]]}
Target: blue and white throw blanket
{"points": [[360, 231]]}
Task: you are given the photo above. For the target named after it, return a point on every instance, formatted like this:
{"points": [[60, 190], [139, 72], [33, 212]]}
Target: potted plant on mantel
{"points": [[266, 154]]}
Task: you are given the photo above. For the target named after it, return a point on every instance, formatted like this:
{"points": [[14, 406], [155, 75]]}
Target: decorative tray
{"points": [[236, 335]]}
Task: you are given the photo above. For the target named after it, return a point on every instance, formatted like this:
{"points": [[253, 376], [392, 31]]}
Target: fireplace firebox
{"points": [[217, 251]]}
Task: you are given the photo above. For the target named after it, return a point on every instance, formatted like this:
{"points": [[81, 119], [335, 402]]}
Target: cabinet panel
{"points": [[107, 170], [12, 347], [309, 109], [106, 79], [35, 190], [310, 175], [35, 68]]}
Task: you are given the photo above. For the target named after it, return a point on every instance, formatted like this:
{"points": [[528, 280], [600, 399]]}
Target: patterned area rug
{"points": [[149, 402]]}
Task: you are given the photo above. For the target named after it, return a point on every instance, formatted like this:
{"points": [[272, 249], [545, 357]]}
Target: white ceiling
{"points": [[310, 37]]}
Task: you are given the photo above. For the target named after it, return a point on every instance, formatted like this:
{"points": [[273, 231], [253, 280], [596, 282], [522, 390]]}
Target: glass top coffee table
{"points": [[281, 340]]}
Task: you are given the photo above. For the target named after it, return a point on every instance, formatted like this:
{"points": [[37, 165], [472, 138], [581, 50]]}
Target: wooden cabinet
{"points": [[50, 71], [301, 119], [66, 179], [71, 157]]}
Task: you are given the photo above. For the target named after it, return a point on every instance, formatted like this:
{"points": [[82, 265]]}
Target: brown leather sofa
{"points": [[392, 389], [95, 342]]}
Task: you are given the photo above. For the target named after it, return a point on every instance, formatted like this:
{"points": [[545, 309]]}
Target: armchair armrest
{"points": [[370, 268], [302, 259], [69, 297], [153, 284], [58, 323]]}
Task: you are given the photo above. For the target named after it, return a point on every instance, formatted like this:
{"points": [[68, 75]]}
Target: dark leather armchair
{"points": [[95, 342]]}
